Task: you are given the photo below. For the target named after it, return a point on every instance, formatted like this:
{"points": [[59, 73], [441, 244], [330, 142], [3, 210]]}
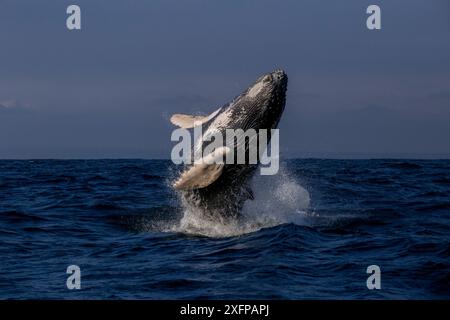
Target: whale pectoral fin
{"points": [[204, 171], [199, 176], [187, 121]]}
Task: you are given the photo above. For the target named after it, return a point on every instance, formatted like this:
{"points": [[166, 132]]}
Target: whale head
{"points": [[262, 104]]}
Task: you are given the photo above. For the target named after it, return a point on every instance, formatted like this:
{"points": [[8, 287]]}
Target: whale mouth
{"points": [[277, 98], [281, 79]]}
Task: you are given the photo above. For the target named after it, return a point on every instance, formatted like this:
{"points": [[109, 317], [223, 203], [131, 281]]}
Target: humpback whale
{"points": [[220, 189]]}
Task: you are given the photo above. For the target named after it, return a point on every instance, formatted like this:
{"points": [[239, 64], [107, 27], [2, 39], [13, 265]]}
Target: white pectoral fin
{"points": [[198, 176], [187, 121], [204, 171]]}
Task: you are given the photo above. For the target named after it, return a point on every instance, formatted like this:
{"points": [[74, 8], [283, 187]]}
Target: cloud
{"points": [[14, 104]]}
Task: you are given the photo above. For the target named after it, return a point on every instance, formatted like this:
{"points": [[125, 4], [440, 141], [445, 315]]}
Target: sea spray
{"points": [[277, 200]]}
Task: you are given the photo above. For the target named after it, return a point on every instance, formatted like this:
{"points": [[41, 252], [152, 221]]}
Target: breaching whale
{"points": [[220, 189]]}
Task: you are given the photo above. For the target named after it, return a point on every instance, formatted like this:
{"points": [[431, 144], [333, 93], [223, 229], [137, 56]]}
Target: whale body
{"points": [[220, 190]]}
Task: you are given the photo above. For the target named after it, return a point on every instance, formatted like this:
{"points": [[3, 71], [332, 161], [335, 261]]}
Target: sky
{"points": [[108, 90]]}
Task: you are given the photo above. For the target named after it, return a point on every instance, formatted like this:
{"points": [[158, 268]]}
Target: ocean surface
{"points": [[310, 233]]}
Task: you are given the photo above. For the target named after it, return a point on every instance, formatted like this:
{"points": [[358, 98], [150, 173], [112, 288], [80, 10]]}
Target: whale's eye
{"points": [[267, 79]]}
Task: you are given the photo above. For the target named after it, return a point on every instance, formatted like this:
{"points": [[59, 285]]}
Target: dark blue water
{"points": [[121, 223]]}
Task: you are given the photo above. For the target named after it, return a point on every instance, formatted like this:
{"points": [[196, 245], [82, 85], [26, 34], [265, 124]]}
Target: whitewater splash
{"points": [[279, 199]]}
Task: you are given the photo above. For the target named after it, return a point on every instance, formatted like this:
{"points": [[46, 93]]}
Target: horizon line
{"points": [[318, 156]]}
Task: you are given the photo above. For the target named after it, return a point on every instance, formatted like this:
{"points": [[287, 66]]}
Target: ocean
{"points": [[310, 233]]}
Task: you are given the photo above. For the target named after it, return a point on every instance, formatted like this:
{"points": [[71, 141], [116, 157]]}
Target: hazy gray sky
{"points": [[109, 89]]}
